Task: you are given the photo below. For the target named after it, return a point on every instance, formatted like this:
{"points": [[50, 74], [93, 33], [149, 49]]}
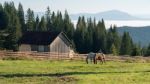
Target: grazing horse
{"points": [[91, 56], [95, 56], [101, 57]]}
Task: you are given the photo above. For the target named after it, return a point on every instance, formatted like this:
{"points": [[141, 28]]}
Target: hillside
{"points": [[138, 34]]}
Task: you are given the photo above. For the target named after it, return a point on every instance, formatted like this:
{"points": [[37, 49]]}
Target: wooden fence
{"points": [[41, 55], [62, 56]]}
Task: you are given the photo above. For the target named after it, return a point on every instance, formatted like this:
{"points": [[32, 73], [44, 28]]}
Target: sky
{"points": [[134, 7]]}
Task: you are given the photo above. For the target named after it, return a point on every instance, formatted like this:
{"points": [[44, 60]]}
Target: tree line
{"points": [[87, 35]]}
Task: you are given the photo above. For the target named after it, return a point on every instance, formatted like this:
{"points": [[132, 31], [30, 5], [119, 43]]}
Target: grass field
{"points": [[72, 72]]}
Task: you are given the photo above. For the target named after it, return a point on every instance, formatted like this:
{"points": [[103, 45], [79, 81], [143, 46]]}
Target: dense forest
{"points": [[87, 36]]}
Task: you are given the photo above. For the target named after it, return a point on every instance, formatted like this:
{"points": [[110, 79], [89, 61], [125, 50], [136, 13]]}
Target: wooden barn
{"points": [[45, 42]]}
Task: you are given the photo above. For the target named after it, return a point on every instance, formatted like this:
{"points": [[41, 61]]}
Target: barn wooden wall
{"points": [[24, 47], [59, 46]]}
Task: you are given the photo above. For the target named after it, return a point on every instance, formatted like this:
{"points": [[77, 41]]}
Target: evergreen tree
{"points": [[3, 18], [113, 38], [42, 25], [89, 35], [148, 51], [58, 24], [53, 18], [68, 26], [13, 37], [13, 27], [143, 51], [48, 19], [136, 51], [2, 41], [114, 50], [37, 22], [30, 24], [126, 44], [99, 37], [21, 17], [79, 37]]}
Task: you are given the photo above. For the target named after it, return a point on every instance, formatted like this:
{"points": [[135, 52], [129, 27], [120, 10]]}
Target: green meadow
{"points": [[72, 72]]}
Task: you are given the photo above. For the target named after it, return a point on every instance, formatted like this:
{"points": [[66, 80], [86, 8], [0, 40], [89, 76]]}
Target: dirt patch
{"points": [[67, 79]]}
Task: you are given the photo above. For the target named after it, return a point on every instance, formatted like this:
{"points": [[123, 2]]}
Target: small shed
{"points": [[45, 42]]}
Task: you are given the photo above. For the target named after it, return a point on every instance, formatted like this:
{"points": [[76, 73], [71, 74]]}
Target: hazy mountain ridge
{"points": [[107, 15], [138, 34]]}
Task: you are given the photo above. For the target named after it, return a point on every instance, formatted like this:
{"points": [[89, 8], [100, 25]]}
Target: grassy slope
{"points": [[73, 72]]}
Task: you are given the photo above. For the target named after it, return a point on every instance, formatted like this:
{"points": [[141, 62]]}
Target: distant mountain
{"points": [[144, 16], [138, 34], [108, 15]]}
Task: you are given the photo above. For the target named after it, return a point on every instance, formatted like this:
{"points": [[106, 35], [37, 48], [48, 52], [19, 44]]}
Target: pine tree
{"points": [[148, 51], [2, 40], [57, 22], [68, 26], [116, 38], [143, 51], [99, 37], [3, 18], [13, 27], [30, 24], [89, 35], [79, 37], [53, 18], [21, 17], [48, 19], [109, 41], [136, 51], [37, 22], [14, 36], [42, 25], [126, 44], [114, 50]]}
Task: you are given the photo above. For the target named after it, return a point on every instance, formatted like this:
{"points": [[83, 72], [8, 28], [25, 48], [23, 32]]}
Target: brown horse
{"points": [[100, 57]]}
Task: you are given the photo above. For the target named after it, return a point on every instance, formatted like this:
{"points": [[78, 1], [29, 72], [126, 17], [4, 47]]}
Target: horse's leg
{"points": [[94, 61], [91, 60], [104, 60], [87, 60], [101, 60]]}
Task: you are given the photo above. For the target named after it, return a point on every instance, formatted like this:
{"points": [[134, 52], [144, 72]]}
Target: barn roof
{"points": [[40, 38]]}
